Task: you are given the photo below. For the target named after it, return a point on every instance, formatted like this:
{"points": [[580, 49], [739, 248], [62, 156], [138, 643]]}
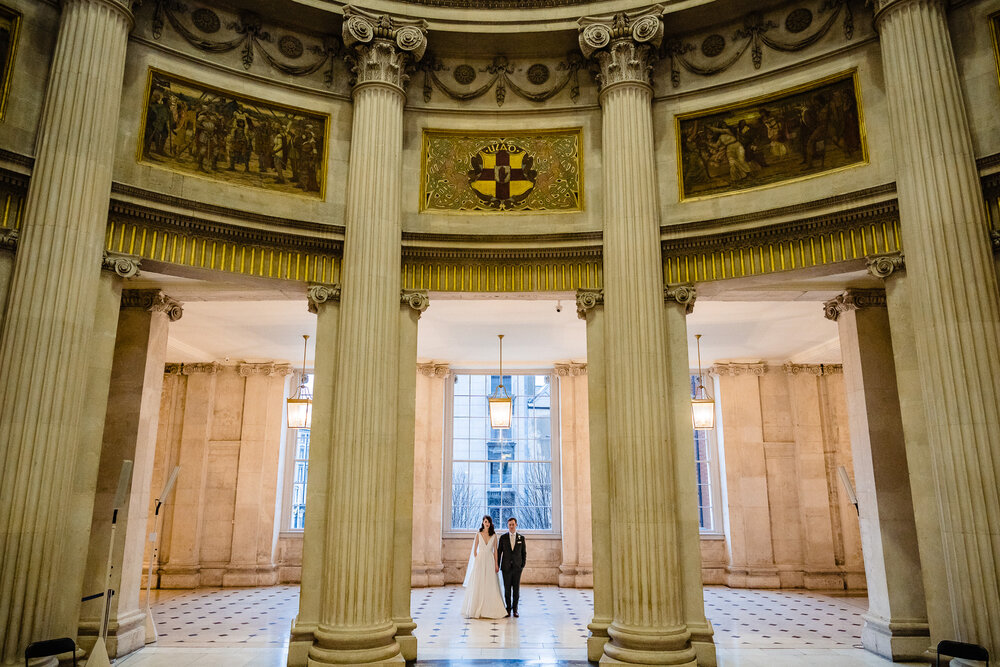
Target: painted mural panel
{"points": [[208, 132], [469, 172], [774, 139], [9, 22]]}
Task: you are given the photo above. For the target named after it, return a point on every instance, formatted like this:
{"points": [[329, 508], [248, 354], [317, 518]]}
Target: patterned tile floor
{"points": [[249, 628]]}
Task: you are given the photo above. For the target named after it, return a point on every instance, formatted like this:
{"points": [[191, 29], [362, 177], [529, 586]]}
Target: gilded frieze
{"points": [[478, 172], [9, 22], [773, 139], [232, 138]]}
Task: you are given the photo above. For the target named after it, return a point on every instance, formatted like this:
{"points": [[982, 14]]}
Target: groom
{"points": [[512, 558]]}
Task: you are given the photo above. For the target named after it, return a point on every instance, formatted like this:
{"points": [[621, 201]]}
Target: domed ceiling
{"points": [[497, 4]]}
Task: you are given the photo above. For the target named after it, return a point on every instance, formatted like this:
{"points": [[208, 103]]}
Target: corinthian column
{"points": [[356, 620], [648, 625], [956, 318], [49, 314]]}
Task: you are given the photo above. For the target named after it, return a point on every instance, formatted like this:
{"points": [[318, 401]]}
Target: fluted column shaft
{"points": [[957, 315], [50, 312]]}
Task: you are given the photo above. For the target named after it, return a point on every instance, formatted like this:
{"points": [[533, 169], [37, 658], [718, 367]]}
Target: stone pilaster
{"points": [[324, 302], [49, 315], [412, 304], [679, 303], [428, 569], [896, 622], [577, 567], [356, 620], [649, 624], [956, 317], [8, 244], [590, 307]]}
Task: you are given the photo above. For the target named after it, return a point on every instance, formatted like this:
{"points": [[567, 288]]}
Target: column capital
{"points": [[883, 266], [153, 300], [434, 370], [210, 368], [123, 7], [8, 239], [415, 299], [733, 369], [320, 293], [383, 47], [570, 369], [684, 295], [172, 369], [853, 299], [265, 369], [623, 46], [587, 300], [818, 370], [995, 241], [882, 7], [126, 266]]}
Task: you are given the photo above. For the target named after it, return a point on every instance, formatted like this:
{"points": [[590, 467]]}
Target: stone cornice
{"points": [[587, 300], [883, 266], [812, 369], [684, 295], [8, 239], [434, 370], [853, 299], [209, 368], [125, 266], [415, 299], [318, 294], [733, 368], [570, 369], [154, 301], [264, 369]]}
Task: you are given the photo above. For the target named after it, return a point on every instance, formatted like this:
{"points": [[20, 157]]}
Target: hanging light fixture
{"points": [[702, 405], [500, 401], [300, 405]]}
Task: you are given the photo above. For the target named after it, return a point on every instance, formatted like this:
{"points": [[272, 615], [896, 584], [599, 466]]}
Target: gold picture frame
{"points": [[194, 126], [994, 20], [10, 25], [772, 139]]}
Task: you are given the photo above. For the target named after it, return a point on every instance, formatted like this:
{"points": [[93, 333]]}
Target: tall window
{"points": [[296, 469], [704, 450], [505, 472]]}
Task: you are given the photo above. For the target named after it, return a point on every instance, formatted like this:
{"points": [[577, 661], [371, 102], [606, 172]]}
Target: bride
{"points": [[482, 585]]}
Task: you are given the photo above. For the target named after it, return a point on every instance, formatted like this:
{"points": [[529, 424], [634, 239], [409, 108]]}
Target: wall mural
{"points": [[9, 22], [195, 129], [789, 135], [490, 172]]}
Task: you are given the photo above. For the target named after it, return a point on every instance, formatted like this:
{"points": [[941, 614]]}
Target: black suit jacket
{"points": [[512, 559]]}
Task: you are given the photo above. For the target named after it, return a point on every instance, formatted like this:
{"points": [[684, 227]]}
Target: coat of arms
{"points": [[501, 175]]}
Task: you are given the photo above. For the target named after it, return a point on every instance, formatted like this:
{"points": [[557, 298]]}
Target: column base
{"points": [[572, 576], [753, 578], [180, 577], [895, 640], [300, 641], [426, 576], [598, 638], [125, 635], [372, 645], [404, 637], [631, 645], [703, 643], [823, 581], [250, 576]]}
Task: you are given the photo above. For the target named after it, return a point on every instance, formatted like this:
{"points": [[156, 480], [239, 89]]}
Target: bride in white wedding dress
{"points": [[483, 598]]}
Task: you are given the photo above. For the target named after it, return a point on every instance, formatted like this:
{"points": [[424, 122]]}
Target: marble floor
{"points": [[249, 628]]}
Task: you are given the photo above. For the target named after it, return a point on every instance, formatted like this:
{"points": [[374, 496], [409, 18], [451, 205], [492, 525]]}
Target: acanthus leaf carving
{"points": [[623, 46], [383, 48]]}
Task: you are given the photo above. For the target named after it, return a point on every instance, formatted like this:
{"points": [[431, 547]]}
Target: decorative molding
{"points": [[319, 294], [853, 299], [172, 369], [500, 71], [570, 369], [125, 266], [8, 239], [384, 47], [17, 158], [623, 46], [210, 368], [588, 299], [264, 369], [249, 35], [434, 370], [733, 368], [499, 270], [753, 36], [153, 300], [818, 370], [995, 240], [883, 266], [498, 4], [684, 295], [415, 299]]}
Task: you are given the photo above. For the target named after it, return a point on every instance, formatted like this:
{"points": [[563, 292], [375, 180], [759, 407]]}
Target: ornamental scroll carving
{"points": [[883, 266], [623, 46], [853, 299], [154, 301], [415, 299], [246, 32], [265, 369], [210, 368], [124, 266], [433, 370], [500, 72], [683, 295], [570, 369], [319, 294], [818, 370], [383, 48], [587, 300], [734, 369], [8, 239]]}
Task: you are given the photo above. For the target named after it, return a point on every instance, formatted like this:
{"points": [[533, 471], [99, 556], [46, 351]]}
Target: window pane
{"points": [[468, 503], [461, 406]]}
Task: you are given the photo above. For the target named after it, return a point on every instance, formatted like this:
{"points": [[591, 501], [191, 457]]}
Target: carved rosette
{"points": [[570, 369], [266, 369], [320, 294], [853, 299], [383, 48], [818, 370], [433, 370], [125, 266], [209, 368], [683, 295], [415, 299], [8, 239], [622, 46], [154, 301], [883, 266], [733, 369], [587, 300]]}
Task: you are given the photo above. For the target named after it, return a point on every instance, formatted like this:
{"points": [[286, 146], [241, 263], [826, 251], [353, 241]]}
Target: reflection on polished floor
{"points": [[249, 628]]}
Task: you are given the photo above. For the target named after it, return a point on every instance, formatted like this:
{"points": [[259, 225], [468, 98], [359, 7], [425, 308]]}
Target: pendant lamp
{"points": [[300, 405], [702, 405], [501, 404]]}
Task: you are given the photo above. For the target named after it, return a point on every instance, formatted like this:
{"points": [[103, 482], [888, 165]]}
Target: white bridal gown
{"points": [[483, 598]]}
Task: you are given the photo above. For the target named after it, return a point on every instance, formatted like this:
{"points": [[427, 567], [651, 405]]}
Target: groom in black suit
{"points": [[512, 558]]}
